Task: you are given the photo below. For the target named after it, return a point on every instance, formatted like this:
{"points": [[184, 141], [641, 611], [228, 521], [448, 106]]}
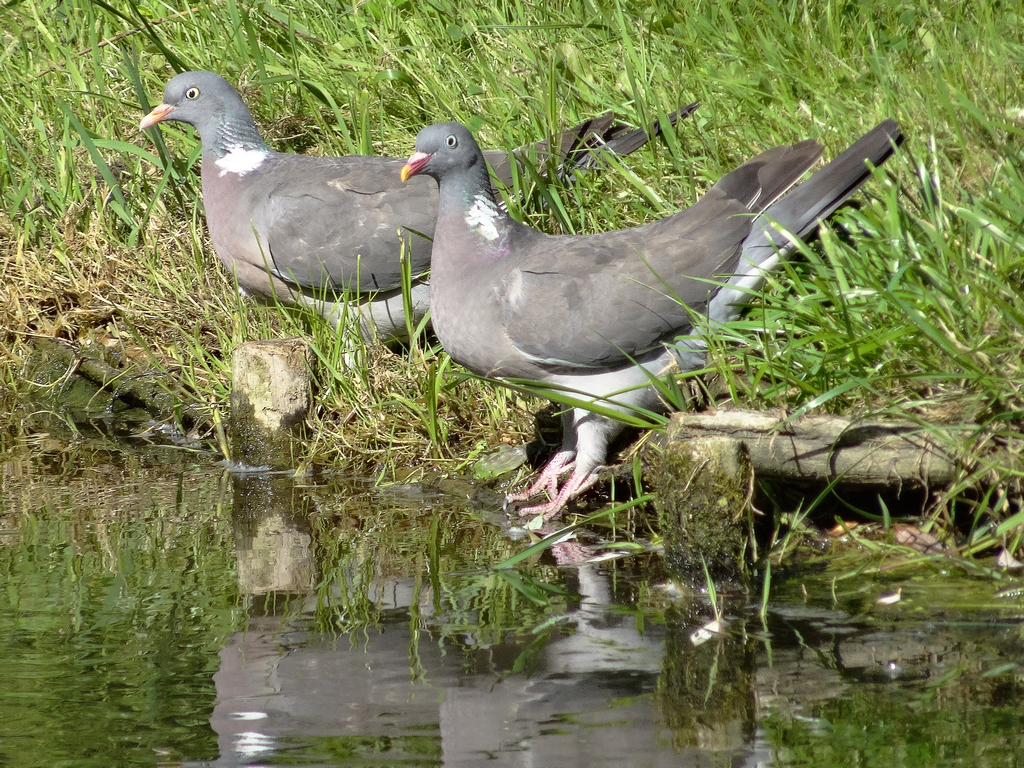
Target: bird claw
{"points": [[560, 463], [576, 484]]}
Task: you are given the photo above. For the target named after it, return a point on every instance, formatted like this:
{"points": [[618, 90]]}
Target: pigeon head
{"points": [[445, 149], [208, 103]]}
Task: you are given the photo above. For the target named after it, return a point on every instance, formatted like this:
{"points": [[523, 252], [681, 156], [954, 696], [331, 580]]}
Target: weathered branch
{"points": [[823, 449], [145, 390]]}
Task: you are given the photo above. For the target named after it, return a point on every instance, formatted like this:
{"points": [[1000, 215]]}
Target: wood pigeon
{"points": [[320, 231], [597, 315]]}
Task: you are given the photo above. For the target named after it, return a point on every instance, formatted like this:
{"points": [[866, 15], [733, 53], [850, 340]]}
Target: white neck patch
{"points": [[482, 217], [240, 160]]}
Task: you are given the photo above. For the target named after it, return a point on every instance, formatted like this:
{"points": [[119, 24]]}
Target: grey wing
{"points": [[336, 225], [596, 302]]}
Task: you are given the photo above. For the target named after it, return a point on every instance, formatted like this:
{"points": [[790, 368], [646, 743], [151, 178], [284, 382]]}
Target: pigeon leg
{"points": [[559, 464]]}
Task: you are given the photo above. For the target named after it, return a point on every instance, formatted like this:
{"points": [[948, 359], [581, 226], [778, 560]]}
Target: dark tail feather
{"points": [[619, 140], [799, 212], [580, 147], [823, 193]]}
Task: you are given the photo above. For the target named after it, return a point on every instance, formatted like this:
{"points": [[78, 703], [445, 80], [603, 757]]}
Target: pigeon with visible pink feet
{"points": [[597, 315]]}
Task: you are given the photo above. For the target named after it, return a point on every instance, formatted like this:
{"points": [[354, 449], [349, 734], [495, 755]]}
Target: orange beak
{"points": [[414, 164], [158, 115]]}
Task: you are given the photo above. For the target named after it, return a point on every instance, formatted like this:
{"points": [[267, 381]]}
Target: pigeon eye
{"points": [[451, 142], [192, 93]]}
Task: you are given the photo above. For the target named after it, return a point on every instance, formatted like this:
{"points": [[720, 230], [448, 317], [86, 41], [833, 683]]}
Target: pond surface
{"points": [[157, 611]]}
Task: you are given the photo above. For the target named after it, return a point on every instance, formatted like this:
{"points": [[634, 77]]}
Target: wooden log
{"points": [[270, 399], [867, 453]]}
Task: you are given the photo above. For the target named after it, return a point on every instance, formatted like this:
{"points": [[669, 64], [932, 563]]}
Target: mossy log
{"points": [[828, 449], [702, 492], [58, 363], [704, 480]]}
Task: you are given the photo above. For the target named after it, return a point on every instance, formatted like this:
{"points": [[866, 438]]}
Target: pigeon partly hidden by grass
{"points": [[592, 314], [317, 231]]}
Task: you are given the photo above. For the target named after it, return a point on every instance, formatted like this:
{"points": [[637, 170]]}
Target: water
{"points": [[155, 611]]}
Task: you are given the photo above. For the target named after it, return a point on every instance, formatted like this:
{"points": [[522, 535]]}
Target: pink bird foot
{"points": [[577, 483], [559, 464]]}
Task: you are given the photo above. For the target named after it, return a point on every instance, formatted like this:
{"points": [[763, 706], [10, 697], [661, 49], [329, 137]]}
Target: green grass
{"points": [[914, 307]]}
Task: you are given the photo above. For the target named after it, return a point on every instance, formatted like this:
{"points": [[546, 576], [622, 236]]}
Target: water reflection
{"points": [[272, 535], [158, 611], [118, 576], [404, 690]]}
